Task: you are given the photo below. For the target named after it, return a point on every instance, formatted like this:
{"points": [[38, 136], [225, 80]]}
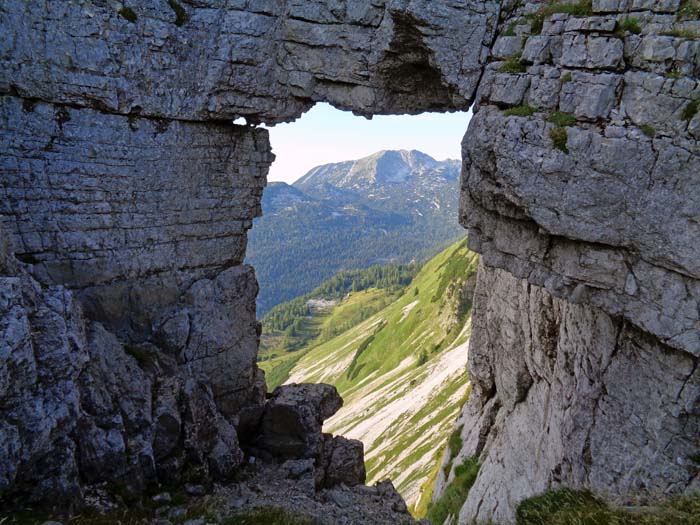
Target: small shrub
{"points": [[520, 111], [454, 444], [691, 110], [455, 493], [631, 25], [690, 10], [673, 74], [559, 137], [566, 77], [561, 119], [512, 65], [510, 31], [127, 14], [648, 130], [566, 507], [545, 507], [422, 358], [181, 16]]}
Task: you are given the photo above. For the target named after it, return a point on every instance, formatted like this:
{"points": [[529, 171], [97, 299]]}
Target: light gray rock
{"points": [[529, 351], [551, 230], [580, 50], [265, 60], [590, 96]]}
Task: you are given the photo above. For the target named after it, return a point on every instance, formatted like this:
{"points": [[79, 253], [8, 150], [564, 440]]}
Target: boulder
{"points": [[291, 423], [342, 461]]}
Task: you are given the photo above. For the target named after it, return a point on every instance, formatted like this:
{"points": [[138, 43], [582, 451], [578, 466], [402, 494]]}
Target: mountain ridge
{"points": [[391, 207]]}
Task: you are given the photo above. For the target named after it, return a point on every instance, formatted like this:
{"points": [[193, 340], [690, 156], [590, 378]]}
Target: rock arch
{"points": [[124, 181]]}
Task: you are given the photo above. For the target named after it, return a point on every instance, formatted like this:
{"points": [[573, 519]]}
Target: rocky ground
{"points": [[293, 472], [269, 494]]}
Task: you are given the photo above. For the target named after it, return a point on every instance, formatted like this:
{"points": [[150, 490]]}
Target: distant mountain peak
{"points": [[393, 205], [385, 167]]}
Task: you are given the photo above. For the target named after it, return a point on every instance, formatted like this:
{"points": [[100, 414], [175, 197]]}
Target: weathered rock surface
{"points": [[291, 429], [584, 351], [127, 196], [82, 408], [263, 59], [616, 411], [144, 221], [291, 486], [290, 426], [122, 183]]}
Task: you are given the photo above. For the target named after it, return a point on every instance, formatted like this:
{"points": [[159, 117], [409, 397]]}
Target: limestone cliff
{"points": [[585, 349], [128, 319]]}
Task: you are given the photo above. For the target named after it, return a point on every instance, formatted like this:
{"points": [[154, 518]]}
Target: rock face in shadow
{"points": [[129, 235], [291, 429], [291, 423], [266, 60], [128, 322]]}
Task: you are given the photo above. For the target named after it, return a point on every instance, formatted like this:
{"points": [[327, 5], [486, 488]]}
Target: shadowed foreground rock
{"points": [[291, 429]]}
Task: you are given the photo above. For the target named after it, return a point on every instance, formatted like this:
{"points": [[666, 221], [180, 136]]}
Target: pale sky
{"points": [[325, 134]]}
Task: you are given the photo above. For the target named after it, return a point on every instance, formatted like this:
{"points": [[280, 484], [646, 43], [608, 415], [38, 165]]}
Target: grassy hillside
{"points": [[401, 371], [338, 304], [280, 350]]}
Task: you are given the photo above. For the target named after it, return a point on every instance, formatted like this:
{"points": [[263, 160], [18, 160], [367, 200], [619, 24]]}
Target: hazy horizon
{"points": [[326, 135]]}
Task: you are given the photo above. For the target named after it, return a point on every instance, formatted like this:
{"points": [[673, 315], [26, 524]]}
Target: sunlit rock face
{"points": [[128, 321], [580, 188]]}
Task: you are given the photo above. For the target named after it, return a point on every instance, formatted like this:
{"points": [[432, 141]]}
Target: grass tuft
{"points": [[691, 110], [181, 16], [566, 77], [687, 34], [567, 506], [648, 130], [455, 493], [561, 119], [579, 9], [520, 111], [632, 25], [689, 10], [559, 137], [512, 65], [127, 14]]}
